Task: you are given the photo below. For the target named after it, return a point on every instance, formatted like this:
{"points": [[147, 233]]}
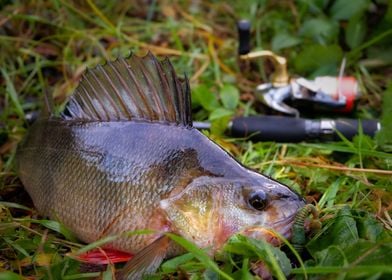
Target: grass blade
{"points": [[199, 254], [8, 275], [365, 269], [13, 94]]}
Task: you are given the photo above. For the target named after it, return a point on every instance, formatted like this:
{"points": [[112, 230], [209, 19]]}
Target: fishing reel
{"points": [[292, 95]]}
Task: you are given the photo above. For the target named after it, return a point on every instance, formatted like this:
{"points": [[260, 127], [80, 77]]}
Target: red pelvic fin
{"points": [[103, 256]]}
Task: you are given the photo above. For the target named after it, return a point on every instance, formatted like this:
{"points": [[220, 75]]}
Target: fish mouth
{"points": [[275, 232], [284, 226]]}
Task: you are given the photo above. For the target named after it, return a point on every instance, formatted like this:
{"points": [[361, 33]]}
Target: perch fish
{"points": [[123, 156]]}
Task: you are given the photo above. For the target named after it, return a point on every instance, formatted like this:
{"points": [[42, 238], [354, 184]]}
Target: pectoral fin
{"points": [[103, 256], [146, 261]]}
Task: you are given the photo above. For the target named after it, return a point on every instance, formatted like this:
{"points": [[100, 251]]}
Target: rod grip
{"points": [[288, 129], [243, 27], [350, 127], [269, 128]]}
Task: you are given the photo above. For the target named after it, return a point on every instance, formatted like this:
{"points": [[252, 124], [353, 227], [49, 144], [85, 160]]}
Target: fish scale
{"points": [[102, 170], [89, 185]]}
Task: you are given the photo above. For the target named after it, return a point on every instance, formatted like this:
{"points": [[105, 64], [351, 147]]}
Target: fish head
{"points": [[210, 210]]}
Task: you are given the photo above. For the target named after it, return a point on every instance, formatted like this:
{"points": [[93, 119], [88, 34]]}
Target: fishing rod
{"points": [[290, 95], [288, 129]]}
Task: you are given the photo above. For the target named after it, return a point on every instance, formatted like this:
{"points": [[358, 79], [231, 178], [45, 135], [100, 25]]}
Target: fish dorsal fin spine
{"points": [[133, 88]]}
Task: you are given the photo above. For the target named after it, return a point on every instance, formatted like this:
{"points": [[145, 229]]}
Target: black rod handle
{"points": [[350, 127], [243, 36], [288, 129]]}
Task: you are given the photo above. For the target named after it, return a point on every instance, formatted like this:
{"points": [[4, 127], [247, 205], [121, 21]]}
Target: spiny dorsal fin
{"points": [[135, 88]]}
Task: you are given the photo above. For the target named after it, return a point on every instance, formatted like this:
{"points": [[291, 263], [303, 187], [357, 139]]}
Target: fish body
{"points": [[103, 171]]}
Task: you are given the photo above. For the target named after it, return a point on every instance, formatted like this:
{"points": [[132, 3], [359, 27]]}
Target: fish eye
{"points": [[258, 200]]}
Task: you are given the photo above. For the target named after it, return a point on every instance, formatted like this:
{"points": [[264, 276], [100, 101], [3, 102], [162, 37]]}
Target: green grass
{"points": [[46, 45]]}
